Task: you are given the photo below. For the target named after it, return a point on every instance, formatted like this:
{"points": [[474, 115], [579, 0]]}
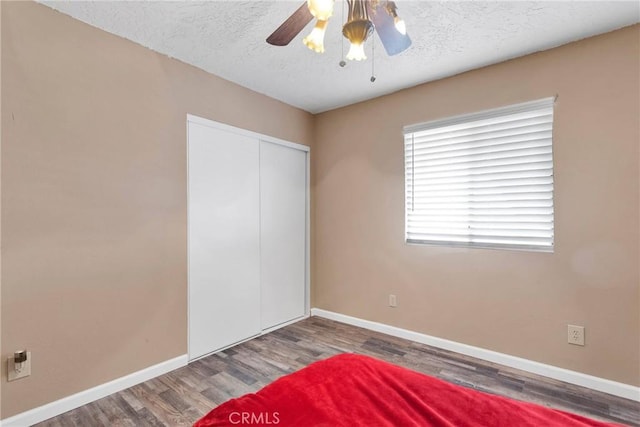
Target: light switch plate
{"points": [[393, 301], [12, 374]]}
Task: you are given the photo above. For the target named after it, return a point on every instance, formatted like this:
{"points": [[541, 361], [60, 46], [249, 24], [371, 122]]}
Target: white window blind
{"points": [[482, 179]]}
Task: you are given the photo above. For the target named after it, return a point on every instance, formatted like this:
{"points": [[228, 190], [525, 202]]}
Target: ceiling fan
{"points": [[364, 16]]}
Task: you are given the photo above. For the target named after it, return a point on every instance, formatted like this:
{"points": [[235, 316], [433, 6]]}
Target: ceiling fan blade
{"points": [[393, 40], [291, 27]]}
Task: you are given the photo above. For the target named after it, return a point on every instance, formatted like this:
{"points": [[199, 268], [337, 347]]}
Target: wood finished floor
{"points": [[186, 394]]}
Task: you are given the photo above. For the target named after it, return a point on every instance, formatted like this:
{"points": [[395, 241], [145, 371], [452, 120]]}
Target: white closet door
{"points": [[282, 232], [224, 246]]}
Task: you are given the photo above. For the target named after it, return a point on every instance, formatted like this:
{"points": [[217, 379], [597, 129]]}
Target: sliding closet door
{"points": [[283, 184], [224, 246]]}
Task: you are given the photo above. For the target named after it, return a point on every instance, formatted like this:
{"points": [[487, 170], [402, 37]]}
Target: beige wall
{"points": [[517, 303], [93, 207], [94, 198]]}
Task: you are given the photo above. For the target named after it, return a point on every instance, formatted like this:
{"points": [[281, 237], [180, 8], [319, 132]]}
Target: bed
{"points": [[354, 390]]}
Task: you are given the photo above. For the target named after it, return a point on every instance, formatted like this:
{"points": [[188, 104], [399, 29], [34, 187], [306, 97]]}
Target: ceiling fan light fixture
{"points": [[356, 52], [321, 9], [315, 40], [398, 22], [400, 25], [365, 17], [357, 29]]}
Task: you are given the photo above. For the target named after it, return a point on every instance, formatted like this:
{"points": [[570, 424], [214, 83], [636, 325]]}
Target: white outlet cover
{"points": [[25, 371], [575, 334]]}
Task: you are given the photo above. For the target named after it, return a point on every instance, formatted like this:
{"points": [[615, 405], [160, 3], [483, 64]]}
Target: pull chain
{"points": [[342, 62], [373, 60]]}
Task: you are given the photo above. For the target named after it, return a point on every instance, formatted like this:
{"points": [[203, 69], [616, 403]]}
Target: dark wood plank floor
{"points": [[184, 395]]}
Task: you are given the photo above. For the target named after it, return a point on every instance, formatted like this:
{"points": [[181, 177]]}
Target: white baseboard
{"points": [[68, 403], [607, 386]]}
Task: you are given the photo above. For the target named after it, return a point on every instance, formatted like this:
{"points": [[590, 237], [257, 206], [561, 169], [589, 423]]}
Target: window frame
{"points": [[463, 119]]}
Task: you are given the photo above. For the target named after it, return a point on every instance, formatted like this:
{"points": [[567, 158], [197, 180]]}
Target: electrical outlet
{"points": [[575, 334], [18, 370], [393, 301]]}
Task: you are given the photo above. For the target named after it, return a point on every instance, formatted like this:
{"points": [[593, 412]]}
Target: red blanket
{"points": [[351, 390]]}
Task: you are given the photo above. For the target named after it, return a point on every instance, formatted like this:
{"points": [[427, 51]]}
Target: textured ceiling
{"points": [[227, 38]]}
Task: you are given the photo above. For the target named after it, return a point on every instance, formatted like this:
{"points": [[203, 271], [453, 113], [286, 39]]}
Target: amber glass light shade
{"points": [[315, 40], [356, 52]]}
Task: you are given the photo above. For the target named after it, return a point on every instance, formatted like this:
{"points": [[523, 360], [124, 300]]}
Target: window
{"points": [[482, 179]]}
